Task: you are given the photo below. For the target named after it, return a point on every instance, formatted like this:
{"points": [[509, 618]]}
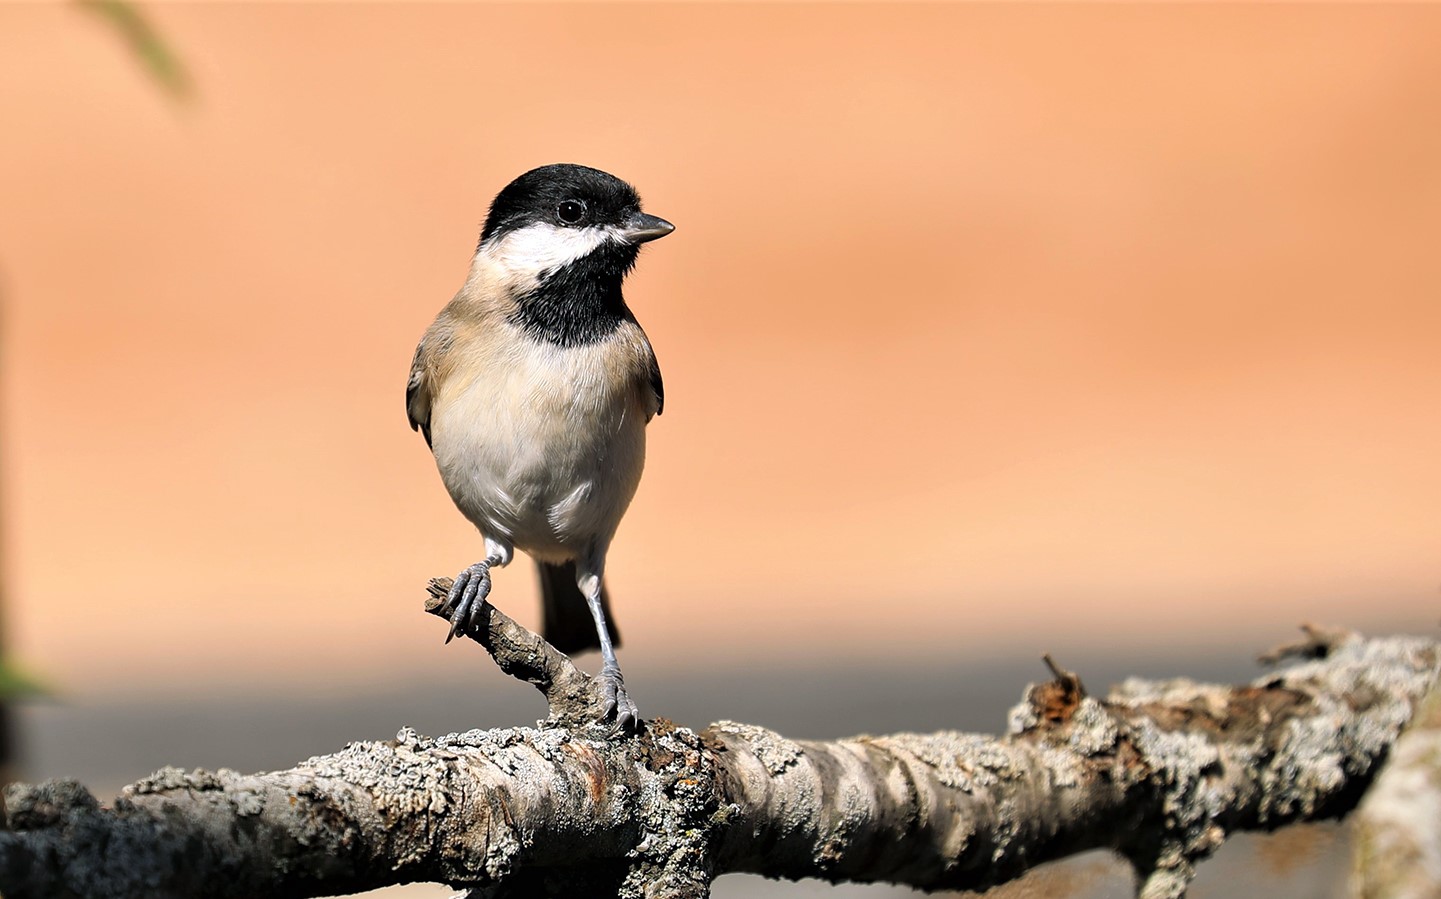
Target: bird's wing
{"points": [[657, 385], [419, 390]]}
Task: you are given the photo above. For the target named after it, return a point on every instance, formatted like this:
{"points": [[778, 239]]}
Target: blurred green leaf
{"points": [[15, 683], [149, 48]]}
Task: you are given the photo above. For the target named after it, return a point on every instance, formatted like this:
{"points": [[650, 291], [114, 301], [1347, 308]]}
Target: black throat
{"points": [[580, 303]]}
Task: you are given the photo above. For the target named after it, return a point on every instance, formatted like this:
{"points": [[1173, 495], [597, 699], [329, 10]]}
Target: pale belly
{"points": [[546, 461]]}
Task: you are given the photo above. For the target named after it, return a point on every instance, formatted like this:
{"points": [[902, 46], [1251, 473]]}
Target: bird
{"points": [[533, 388]]}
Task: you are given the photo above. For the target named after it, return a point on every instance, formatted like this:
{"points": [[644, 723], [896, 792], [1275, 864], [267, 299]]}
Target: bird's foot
{"points": [[467, 598], [616, 701]]}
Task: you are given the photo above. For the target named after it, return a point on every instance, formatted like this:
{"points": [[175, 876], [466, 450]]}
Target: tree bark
{"points": [[1160, 772], [1397, 846]]}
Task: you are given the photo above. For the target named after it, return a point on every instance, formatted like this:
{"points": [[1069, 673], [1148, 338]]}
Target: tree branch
{"points": [[1161, 772], [1397, 849], [572, 695]]}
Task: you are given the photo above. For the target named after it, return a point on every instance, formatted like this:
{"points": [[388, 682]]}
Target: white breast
{"points": [[545, 450]]}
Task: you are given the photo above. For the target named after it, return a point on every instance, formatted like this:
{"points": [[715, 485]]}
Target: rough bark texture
{"points": [[1397, 850], [1159, 771]]}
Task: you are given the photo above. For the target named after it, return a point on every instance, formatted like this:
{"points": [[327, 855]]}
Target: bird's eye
{"points": [[570, 211]]}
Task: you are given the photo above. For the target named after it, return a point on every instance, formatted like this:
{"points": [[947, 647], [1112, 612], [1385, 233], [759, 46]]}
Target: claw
{"points": [[466, 598], [617, 702]]}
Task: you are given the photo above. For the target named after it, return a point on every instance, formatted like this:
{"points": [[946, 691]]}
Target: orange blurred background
{"points": [[984, 327]]}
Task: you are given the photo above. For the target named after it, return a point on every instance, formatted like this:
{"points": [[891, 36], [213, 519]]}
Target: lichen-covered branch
{"points": [[573, 697], [1397, 851], [1161, 772]]}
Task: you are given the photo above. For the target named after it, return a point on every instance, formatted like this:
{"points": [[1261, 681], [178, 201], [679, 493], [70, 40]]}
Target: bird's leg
{"points": [[617, 701], [471, 587]]}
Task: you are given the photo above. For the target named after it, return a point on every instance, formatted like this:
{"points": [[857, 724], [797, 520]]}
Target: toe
{"points": [[627, 716], [455, 604], [457, 621], [457, 587], [467, 602], [617, 704], [467, 595], [608, 696]]}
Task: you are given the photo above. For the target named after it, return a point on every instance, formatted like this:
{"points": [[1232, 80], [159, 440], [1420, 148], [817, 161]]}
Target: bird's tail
{"points": [[566, 622]]}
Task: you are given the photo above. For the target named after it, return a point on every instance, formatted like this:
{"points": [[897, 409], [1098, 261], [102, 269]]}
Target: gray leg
{"points": [[471, 587], [617, 701]]}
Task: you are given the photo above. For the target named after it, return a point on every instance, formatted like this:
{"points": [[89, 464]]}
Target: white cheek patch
{"points": [[527, 252]]}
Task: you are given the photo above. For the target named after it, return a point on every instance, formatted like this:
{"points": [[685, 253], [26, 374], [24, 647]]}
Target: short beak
{"points": [[640, 228]]}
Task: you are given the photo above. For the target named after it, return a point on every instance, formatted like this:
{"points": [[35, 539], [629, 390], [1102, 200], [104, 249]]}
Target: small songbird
{"points": [[533, 388]]}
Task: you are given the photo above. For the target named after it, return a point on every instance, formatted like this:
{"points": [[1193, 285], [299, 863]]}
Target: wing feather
{"points": [[420, 389], [657, 385]]}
